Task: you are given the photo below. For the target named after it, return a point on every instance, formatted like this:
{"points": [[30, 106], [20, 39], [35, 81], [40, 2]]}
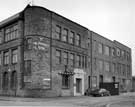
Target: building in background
{"points": [[46, 54]]}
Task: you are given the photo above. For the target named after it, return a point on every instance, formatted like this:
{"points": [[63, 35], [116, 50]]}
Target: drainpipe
{"points": [[91, 60]]}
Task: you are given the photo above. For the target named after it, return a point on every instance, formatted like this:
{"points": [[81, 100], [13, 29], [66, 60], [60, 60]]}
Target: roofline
{"points": [[115, 41], [10, 19], [28, 6]]}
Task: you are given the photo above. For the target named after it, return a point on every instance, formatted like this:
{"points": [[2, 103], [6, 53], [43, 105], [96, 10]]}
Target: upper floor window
{"points": [[6, 58], [14, 56], [0, 59], [72, 58], [100, 64], [107, 66], [122, 53], [1, 37], [71, 37], [78, 60], [58, 56], [11, 33], [65, 35], [100, 48], [113, 52], [78, 40], [107, 50], [113, 67], [58, 32], [65, 55], [118, 52]]}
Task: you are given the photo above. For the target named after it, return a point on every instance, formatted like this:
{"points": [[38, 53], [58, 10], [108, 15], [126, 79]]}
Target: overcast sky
{"points": [[113, 19]]}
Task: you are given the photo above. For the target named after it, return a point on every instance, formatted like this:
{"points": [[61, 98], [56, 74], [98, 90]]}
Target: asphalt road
{"points": [[125, 100]]}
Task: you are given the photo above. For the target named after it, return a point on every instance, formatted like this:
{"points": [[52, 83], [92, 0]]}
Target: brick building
{"points": [[45, 54]]}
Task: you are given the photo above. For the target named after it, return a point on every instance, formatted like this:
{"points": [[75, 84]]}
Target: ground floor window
{"points": [[65, 81], [13, 80], [5, 81]]}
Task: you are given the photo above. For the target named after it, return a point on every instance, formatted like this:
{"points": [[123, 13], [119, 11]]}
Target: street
{"points": [[123, 100]]}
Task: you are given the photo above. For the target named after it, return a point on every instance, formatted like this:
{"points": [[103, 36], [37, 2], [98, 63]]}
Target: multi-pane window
{"points": [[58, 32], [107, 66], [100, 64], [107, 50], [71, 37], [5, 81], [128, 56], [27, 66], [100, 48], [78, 60], [65, 56], [83, 61], [58, 56], [113, 67], [113, 51], [13, 83], [72, 59], [0, 37], [0, 59], [78, 40], [65, 81], [122, 53], [29, 43], [11, 33], [6, 58], [14, 56], [65, 35]]}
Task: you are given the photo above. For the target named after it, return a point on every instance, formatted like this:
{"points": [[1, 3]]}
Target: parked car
{"points": [[97, 92]]}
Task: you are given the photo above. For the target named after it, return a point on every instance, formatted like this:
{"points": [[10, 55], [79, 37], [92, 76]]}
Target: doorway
{"points": [[78, 85]]}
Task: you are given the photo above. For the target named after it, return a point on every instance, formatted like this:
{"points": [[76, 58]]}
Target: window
{"points": [[5, 81], [6, 58], [83, 61], [0, 59], [107, 66], [58, 32], [29, 43], [119, 68], [113, 51], [27, 66], [78, 61], [65, 35], [65, 81], [100, 65], [65, 55], [118, 52], [1, 35], [113, 67], [13, 84], [78, 40], [122, 54], [72, 59], [58, 56], [107, 50], [14, 56], [101, 78], [11, 33], [128, 56], [71, 37], [100, 48]]}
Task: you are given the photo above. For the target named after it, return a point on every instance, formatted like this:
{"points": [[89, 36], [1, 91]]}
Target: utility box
{"points": [[113, 87]]}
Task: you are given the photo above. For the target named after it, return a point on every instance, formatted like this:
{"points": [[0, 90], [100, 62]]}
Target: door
{"points": [[78, 85]]}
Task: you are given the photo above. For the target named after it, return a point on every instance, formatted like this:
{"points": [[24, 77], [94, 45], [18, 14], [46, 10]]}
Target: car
{"points": [[100, 92], [97, 92]]}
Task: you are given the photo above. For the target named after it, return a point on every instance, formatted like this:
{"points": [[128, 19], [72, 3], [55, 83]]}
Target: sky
{"points": [[113, 19]]}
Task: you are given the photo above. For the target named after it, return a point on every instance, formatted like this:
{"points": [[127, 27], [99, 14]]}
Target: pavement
{"points": [[81, 101]]}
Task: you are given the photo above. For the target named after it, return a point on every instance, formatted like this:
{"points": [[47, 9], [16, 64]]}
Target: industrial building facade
{"points": [[44, 54]]}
